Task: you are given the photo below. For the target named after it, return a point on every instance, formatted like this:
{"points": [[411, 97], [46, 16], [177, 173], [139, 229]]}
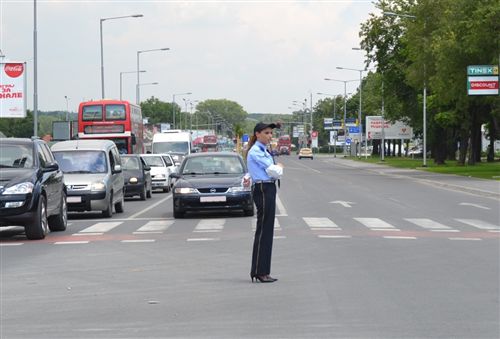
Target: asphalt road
{"points": [[360, 251]]}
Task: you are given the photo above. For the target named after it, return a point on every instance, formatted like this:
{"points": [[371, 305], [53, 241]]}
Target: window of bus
{"points": [[92, 113], [115, 112]]}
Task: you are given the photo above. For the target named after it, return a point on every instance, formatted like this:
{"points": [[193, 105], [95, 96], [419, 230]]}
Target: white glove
{"points": [[274, 171]]}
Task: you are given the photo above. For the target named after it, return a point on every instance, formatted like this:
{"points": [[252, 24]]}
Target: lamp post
{"points": [[138, 93], [147, 84], [67, 107], [360, 105], [121, 73], [35, 73], [334, 96], [345, 108], [173, 105], [102, 53], [424, 113]]}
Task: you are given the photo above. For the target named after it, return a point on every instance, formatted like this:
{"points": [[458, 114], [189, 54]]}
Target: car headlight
{"points": [[22, 188], [133, 180], [98, 186], [185, 190], [160, 176], [237, 189]]}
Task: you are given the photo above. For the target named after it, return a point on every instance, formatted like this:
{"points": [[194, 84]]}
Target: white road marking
{"points": [[101, 227], [474, 205], [281, 207], [325, 229], [394, 237], [375, 223], [427, 223], [320, 223], [155, 226], [203, 239], [334, 236], [2, 244], [343, 203], [70, 242], [479, 224], [450, 231], [138, 240], [277, 226], [211, 225], [279, 237], [494, 231], [386, 229], [90, 233], [150, 207], [474, 239]]}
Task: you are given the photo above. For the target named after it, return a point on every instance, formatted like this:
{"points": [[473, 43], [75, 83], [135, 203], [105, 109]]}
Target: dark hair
{"points": [[251, 142]]}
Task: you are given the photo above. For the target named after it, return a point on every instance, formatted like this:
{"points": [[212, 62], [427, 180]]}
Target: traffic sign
{"points": [[348, 141]]}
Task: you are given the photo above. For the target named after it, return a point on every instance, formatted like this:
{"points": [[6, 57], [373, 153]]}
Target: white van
{"points": [[172, 141], [92, 175]]}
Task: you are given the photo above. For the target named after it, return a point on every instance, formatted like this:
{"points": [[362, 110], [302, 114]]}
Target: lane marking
{"points": [[427, 223], [150, 207], [374, 223], [474, 205], [70, 242], [443, 231], [386, 229], [325, 229], [155, 226], [2, 244], [279, 237], [473, 239], [203, 239], [277, 226], [281, 207], [494, 231], [210, 225], [395, 237], [123, 219], [138, 241], [479, 224], [334, 236], [320, 223], [101, 227], [89, 233]]}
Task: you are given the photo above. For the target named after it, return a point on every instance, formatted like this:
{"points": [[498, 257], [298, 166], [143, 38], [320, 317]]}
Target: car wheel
{"points": [[40, 227], [144, 192], [300, 158], [119, 205], [108, 212], [178, 214], [250, 212], [59, 222]]}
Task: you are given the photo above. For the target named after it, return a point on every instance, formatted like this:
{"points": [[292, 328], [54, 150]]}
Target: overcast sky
{"points": [[263, 55]]}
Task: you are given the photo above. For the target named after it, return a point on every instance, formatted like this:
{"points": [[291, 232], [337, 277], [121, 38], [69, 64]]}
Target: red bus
{"points": [[284, 145], [116, 120], [209, 143]]}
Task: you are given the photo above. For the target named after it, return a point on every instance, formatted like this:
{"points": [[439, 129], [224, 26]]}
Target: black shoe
{"points": [[264, 278]]}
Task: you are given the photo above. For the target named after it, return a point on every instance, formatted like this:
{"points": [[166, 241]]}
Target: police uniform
{"points": [[264, 174]]}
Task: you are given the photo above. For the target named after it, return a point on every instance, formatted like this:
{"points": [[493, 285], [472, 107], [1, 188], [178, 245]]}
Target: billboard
{"points": [[392, 130], [482, 80], [13, 90]]}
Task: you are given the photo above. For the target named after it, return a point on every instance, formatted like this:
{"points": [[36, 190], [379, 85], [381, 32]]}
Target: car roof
{"points": [[83, 144], [18, 141], [204, 154]]}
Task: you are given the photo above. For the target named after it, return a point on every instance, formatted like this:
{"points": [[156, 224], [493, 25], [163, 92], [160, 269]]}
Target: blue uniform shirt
{"points": [[258, 160]]}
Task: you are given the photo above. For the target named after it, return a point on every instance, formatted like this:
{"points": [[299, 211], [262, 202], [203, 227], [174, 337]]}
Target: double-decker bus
{"points": [[116, 120]]}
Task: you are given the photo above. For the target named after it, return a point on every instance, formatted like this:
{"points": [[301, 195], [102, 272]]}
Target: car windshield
{"points": [[213, 165], [130, 163], [154, 161], [15, 156], [82, 161], [167, 147]]}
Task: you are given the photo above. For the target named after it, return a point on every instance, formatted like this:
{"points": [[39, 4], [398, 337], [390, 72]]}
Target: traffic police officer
{"points": [[264, 173]]}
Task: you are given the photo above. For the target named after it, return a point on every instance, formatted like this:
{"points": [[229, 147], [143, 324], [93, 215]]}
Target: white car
{"points": [[161, 167]]}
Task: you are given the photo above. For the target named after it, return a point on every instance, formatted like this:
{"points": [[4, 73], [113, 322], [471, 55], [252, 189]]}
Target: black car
{"points": [[137, 176], [32, 190], [212, 181]]}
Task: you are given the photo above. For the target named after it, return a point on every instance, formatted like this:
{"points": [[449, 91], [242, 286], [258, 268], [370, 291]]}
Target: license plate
{"points": [[73, 199], [213, 199]]}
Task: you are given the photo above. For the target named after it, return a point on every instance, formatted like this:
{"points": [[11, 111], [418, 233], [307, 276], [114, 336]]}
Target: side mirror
{"points": [[147, 168], [174, 175], [50, 166], [117, 169]]}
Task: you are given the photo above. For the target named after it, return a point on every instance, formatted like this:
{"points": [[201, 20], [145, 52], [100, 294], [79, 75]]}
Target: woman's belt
{"points": [[264, 181]]}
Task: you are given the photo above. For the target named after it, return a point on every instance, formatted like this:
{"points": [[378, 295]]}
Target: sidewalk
{"points": [[483, 187]]}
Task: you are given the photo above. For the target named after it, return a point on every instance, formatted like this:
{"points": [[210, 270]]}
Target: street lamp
{"points": [[121, 73], [138, 93], [334, 96], [345, 108], [402, 15], [67, 107], [360, 105], [147, 84], [173, 105], [102, 53]]}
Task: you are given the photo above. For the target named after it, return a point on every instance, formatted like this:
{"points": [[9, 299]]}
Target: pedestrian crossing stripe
{"points": [[479, 224], [155, 226], [210, 225], [375, 224], [102, 227], [427, 223]]}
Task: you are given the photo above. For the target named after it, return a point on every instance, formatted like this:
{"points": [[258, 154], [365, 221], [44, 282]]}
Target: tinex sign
{"points": [[13, 90], [482, 80]]}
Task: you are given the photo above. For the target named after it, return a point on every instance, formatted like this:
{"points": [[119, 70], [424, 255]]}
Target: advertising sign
{"points": [[13, 90], [351, 122], [392, 130], [333, 137], [484, 85], [327, 123], [478, 70]]}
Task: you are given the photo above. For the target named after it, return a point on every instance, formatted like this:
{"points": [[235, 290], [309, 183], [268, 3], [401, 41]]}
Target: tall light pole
{"points": [[424, 113], [345, 108], [334, 96], [138, 93], [173, 105], [102, 52], [67, 107], [360, 104], [35, 74], [121, 73]]}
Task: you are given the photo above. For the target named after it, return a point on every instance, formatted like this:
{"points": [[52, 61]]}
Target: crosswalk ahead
{"points": [[213, 229]]}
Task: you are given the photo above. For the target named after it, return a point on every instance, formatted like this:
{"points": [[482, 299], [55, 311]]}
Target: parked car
{"points": [[92, 174], [160, 171], [306, 153], [137, 176], [212, 181], [32, 191]]}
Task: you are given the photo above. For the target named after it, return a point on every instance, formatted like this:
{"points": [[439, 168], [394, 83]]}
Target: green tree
{"points": [[158, 111]]}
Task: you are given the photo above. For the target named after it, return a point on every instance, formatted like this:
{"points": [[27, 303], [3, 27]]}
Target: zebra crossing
{"points": [[214, 229]]}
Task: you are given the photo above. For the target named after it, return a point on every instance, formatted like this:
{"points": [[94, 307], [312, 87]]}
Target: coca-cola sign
{"points": [[14, 70]]}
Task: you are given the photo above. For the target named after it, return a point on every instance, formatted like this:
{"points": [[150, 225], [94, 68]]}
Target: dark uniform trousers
{"points": [[264, 195]]}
